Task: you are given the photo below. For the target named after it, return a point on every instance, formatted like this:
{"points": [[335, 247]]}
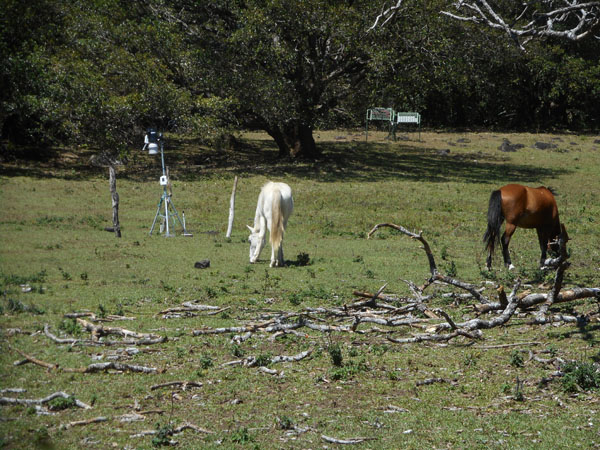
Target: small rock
{"points": [[202, 264], [506, 146], [544, 145]]}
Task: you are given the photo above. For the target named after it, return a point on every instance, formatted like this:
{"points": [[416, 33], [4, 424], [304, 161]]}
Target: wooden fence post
{"points": [[115, 199], [231, 208]]}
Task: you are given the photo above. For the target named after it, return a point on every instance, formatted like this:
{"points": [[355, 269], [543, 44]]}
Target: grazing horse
{"points": [[275, 205], [524, 207]]}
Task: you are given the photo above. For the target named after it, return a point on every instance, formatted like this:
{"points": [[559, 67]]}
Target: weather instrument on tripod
{"points": [[154, 142]]}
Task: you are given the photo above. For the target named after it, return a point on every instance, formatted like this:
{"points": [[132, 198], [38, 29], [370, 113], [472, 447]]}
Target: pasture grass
{"points": [[54, 247]]}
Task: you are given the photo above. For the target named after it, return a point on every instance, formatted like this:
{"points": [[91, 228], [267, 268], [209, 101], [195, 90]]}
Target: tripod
{"points": [[170, 213]]}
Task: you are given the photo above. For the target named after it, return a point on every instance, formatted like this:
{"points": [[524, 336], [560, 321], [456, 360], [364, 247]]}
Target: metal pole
{"points": [[156, 215], [162, 156], [166, 211]]}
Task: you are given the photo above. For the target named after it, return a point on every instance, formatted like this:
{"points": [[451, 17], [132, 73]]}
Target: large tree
{"points": [[288, 63]]}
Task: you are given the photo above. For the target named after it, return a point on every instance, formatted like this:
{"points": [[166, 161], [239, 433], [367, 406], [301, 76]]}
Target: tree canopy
{"points": [[100, 71]]}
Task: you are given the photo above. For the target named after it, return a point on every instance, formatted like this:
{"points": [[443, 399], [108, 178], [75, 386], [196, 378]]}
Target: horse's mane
{"points": [[553, 191]]}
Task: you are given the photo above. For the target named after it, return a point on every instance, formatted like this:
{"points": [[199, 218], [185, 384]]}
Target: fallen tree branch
{"points": [[98, 331], [79, 423], [436, 337], [253, 361], [501, 319], [92, 316], [69, 341], [103, 342], [419, 237], [179, 429], [13, 391], [41, 401], [461, 284], [300, 356], [530, 300], [515, 344], [190, 307], [92, 368], [241, 329], [350, 441], [181, 384]]}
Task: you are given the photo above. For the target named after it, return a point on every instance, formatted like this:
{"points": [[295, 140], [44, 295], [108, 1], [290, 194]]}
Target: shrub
{"points": [[335, 352], [70, 326], [205, 362], [162, 436], [516, 359], [580, 375], [60, 403]]}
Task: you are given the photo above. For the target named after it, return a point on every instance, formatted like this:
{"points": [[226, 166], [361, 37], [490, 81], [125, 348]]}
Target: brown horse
{"points": [[524, 207]]}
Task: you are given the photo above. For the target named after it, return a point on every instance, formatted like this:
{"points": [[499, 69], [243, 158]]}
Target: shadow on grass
{"points": [[341, 161], [586, 331]]}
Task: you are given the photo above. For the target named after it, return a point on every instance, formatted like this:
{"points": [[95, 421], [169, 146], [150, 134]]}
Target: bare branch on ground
{"points": [[92, 368], [41, 401]]}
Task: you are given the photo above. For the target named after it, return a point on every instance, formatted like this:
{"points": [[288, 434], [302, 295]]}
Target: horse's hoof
{"points": [[511, 267]]}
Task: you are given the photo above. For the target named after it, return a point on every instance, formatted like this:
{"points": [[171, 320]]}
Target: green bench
{"points": [[382, 115], [393, 119]]}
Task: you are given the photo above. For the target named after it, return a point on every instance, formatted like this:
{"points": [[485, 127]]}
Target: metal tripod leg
{"points": [[160, 202], [176, 215]]}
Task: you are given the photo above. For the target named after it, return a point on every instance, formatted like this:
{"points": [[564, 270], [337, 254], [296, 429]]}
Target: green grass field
{"points": [[485, 393]]}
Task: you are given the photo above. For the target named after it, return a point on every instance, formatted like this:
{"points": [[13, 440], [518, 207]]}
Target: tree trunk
{"points": [[295, 140]]}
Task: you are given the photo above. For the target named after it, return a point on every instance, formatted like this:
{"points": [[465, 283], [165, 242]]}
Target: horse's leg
{"points": [[509, 229], [543, 239], [273, 260], [280, 255]]}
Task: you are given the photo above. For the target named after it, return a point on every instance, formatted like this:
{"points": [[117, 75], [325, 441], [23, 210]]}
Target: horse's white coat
{"points": [[274, 207]]}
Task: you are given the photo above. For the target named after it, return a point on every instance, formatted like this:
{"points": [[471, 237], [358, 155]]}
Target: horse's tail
{"points": [[495, 219], [276, 235]]}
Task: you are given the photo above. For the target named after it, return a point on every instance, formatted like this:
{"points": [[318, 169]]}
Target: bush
{"points": [[335, 352], [580, 376], [60, 403]]}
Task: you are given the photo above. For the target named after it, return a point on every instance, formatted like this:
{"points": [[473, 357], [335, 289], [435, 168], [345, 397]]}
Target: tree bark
{"points": [[295, 140]]}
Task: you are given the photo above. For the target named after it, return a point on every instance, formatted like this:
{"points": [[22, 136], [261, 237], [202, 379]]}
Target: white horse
{"points": [[275, 205]]}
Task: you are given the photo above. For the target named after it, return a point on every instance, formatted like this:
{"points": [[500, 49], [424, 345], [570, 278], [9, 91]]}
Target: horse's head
{"points": [[554, 243], [256, 243]]}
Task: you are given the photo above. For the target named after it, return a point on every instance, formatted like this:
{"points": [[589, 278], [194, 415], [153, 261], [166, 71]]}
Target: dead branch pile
{"points": [[391, 316]]}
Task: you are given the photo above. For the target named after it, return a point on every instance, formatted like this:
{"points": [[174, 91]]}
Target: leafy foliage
{"points": [[580, 375], [60, 403], [97, 73], [163, 435]]}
